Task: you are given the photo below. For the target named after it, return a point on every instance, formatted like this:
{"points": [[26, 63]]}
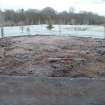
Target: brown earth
{"points": [[52, 56]]}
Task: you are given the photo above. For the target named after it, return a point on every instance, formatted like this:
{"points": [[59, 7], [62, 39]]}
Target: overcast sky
{"points": [[97, 6]]}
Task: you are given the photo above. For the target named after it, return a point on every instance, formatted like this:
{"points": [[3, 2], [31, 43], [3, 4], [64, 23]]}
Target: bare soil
{"points": [[52, 56]]}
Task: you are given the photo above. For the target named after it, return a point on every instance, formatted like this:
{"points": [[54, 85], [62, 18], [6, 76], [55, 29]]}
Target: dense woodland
{"points": [[49, 15]]}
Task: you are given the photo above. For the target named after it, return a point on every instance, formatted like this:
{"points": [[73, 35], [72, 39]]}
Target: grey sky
{"points": [[97, 6]]}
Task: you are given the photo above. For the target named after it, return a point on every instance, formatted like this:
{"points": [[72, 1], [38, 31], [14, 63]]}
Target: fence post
{"points": [[104, 31], [2, 32], [59, 29]]}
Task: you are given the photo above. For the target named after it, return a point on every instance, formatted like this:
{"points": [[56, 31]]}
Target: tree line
{"points": [[50, 16]]}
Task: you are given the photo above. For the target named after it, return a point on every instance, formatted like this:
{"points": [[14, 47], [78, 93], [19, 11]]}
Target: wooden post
{"points": [[2, 32], [59, 29], [2, 24], [104, 31]]}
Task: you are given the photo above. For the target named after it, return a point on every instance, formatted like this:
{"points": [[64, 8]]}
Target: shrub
{"points": [[50, 27]]}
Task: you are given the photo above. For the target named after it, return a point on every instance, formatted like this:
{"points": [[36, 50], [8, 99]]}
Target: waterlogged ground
{"points": [[52, 56], [67, 30]]}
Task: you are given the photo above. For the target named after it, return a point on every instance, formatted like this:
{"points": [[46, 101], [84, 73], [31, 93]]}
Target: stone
{"points": [[24, 56], [1, 52], [100, 51]]}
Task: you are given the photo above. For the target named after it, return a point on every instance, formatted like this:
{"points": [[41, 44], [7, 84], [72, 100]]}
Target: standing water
{"points": [[66, 30]]}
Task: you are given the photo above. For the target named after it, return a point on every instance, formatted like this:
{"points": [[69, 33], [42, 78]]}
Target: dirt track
{"points": [[52, 56]]}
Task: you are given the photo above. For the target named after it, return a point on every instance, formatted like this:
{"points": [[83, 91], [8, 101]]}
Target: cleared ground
{"points": [[52, 56], [51, 91], [52, 70]]}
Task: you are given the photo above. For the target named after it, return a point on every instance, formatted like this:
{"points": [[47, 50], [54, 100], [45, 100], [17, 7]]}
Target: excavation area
{"points": [[52, 56]]}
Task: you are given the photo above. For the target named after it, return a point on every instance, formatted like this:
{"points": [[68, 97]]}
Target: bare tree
{"points": [[71, 10]]}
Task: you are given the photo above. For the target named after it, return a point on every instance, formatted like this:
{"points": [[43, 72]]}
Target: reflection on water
{"points": [[66, 30]]}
